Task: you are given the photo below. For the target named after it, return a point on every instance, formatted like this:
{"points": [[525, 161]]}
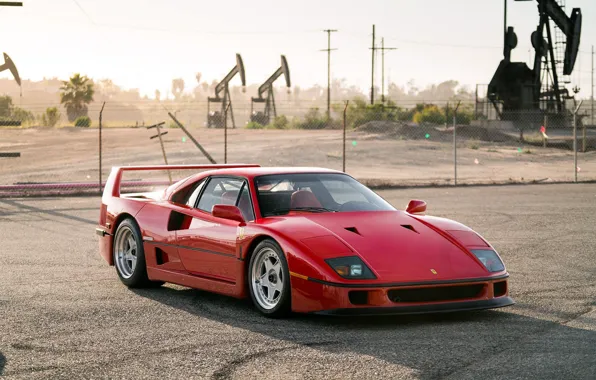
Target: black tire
{"points": [[138, 276], [284, 304]]}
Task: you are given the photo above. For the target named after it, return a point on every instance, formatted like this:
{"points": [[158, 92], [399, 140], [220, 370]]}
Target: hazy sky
{"points": [[145, 43]]}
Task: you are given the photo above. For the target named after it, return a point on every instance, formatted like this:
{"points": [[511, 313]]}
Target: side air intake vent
{"points": [[178, 221], [161, 257]]}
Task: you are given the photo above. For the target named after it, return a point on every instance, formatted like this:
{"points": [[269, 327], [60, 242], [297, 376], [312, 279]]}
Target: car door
{"points": [[208, 248]]}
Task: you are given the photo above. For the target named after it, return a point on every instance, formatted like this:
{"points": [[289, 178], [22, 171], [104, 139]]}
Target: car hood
{"points": [[399, 246]]}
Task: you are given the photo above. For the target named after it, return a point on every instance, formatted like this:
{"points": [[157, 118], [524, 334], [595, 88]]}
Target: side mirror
{"points": [[227, 212], [416, 207]]}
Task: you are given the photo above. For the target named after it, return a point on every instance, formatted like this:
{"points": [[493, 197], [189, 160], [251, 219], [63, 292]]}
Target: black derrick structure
{"points": [[517, 88], [264, 117], [218, 119]]}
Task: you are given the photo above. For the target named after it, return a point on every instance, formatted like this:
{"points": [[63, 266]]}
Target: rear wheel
{"points": [[269, 280], [129, 256]]}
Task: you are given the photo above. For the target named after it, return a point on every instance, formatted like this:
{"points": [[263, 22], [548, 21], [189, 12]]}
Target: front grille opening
{"points": [[358, 297], [500, 288], [436, 294]]}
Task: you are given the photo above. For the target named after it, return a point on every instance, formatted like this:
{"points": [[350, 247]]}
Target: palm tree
{"points": [[75, 94]]}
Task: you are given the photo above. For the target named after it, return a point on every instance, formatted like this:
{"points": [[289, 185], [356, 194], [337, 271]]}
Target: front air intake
{"points": [[436, 294], [500, 288]]}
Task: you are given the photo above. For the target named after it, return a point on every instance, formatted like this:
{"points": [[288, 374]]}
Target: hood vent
{"points": [[409, 227], [353, 229]]}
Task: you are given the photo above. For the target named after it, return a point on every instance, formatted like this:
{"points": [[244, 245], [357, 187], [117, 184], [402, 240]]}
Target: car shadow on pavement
{"points": [[502, 343], [2, 363], [21, 207]]}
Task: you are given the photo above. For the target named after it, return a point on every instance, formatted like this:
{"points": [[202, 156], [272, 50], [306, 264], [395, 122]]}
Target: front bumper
{"points": [[423, 309], [316, 296]]}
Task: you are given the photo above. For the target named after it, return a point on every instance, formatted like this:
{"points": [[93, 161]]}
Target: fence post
{"points": [[545, 129], [575, 140], [100, 117], [226, 135], [583, 137], [343, 156], [455, 144]]}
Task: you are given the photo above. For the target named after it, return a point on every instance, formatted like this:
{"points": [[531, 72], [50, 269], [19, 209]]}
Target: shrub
{"points": [[464, 115], [5, 106], [360, 112], [83, 121], [280, 122], [312, 120], [22, 115], [51, 117], [254, 125], [430, 114], [474, 144]]}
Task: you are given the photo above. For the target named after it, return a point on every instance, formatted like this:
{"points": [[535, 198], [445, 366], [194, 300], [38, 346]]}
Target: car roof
{"points": [[248, 173], [258, 171]]}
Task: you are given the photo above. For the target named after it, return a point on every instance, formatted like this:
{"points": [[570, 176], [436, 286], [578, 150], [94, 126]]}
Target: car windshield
{"points": [[315, 192]]}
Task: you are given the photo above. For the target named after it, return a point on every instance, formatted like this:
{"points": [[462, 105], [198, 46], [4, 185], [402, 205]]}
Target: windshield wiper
{"points": [[311, 209]]}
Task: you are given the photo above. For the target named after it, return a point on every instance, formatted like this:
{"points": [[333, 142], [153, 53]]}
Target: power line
{"points": [[328, 50], [84, 12]]}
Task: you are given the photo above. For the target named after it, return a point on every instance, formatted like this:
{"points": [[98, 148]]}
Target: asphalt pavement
{"points": [[65, 314]]}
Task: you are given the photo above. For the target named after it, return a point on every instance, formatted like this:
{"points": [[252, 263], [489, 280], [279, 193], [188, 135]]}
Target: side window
{"points": [[192, 199], [245, 205], [188, 195], [220, 191]]}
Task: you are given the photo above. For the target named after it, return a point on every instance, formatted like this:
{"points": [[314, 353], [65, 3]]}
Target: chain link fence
{"points": [[392, 145]]}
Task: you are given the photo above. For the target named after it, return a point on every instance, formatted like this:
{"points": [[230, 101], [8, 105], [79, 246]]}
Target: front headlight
{"points": [[350, 267], [490, 259]]}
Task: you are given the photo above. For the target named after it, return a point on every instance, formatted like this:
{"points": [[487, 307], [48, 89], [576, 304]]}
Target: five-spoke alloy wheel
{"points": [[269, 282], [129, 255], [125, 252]]}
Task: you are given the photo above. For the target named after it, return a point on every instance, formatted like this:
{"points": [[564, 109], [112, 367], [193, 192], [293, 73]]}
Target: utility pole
{"points": [[592, 86], [372, 85], [383, 48], [328, 50]]}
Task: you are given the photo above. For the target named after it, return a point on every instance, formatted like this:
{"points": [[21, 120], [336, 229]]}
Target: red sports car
{"points": [[297, 239]]}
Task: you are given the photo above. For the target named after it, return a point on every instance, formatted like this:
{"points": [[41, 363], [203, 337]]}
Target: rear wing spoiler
{"points": [[112, 187]]}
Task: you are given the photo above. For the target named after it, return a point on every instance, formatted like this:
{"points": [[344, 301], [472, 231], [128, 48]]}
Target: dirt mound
{"points": [[398, 129], [379, 126], [484, 134], [412, 131]]}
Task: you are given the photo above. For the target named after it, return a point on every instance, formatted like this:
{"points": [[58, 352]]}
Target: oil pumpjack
{"points": [[516, 88], [264, 117], [217, 119], [10, 66]]}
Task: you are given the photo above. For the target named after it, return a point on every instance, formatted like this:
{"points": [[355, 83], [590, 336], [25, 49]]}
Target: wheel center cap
{"points": [[272, 276]]}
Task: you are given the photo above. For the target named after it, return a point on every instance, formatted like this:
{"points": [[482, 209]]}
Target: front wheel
{"points": [[129, 256], [269, 280]]}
